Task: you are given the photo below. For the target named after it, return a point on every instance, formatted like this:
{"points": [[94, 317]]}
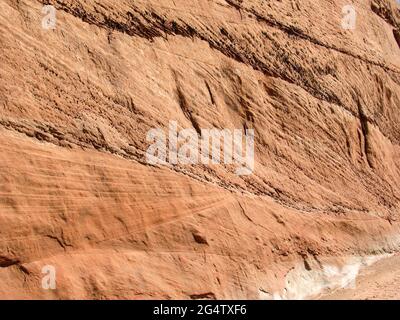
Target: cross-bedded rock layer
{"points": [[77, 102]]}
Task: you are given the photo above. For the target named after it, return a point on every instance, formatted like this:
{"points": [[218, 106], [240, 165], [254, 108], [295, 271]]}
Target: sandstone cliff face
{"points": [[77, 102]]}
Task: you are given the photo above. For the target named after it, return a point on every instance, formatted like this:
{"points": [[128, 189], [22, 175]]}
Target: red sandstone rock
{"points": [[77, 102]]}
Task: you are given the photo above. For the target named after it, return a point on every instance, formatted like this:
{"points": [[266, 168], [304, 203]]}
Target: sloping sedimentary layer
{"points": [[77, 102]]}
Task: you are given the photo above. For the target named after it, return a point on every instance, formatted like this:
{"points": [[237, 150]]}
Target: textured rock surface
{"points": [[76, 104], [380, 281]]}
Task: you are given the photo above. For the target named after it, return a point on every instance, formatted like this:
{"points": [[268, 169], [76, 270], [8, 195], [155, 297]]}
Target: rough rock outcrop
{"points": [[77, 102]]}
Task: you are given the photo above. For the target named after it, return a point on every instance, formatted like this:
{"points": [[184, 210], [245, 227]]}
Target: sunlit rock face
{"points": [[84, 214]]}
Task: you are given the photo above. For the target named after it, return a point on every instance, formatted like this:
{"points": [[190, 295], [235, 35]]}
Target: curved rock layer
{"points": [[77, 102]]}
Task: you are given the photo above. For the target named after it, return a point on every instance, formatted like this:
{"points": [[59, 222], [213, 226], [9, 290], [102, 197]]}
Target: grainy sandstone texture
{"points": [[77, 102]]}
